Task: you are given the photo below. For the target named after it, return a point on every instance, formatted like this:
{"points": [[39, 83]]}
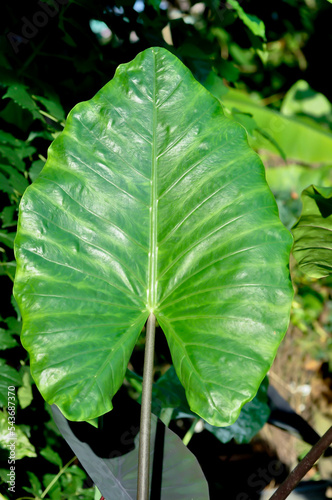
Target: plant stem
{"points": [[54, 480], [190, 432], [143, 479], [303, 467]]}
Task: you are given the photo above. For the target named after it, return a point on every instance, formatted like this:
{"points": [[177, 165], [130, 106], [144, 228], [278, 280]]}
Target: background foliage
{"points": [[266, 67]]}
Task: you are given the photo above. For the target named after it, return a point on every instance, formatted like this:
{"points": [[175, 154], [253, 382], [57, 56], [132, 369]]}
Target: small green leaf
{"points": [[51, 456], [23, 446], [72, 481], [8, 215], [44, 134], [54, 108], [14, 324], [7, 238], [6, 138], [301, 99], [14, 114], [313, 233], [24, 393], [18, 182], [8, 377], [18, 94], [256, 26], [8, 268], [11, 156], [35, 483], [7, 341], [5, 186]]}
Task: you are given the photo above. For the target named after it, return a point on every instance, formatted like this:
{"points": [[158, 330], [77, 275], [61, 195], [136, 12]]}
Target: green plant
{"points": [[68, 62], [313, 232], [140, 212]]}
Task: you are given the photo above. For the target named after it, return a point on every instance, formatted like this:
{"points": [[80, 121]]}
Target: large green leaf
{"points": [[151, 201], [313, 232], [299, 139]]}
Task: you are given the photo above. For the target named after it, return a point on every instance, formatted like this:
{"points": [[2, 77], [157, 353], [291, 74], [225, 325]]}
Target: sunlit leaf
{"points": [[313, 232], [141, 208], [252, 418], [299, 140], [23, 447], [24, 393], [255, 25]]}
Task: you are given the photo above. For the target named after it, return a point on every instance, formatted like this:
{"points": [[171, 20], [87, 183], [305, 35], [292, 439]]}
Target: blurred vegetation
{"points": [[265, 61]]}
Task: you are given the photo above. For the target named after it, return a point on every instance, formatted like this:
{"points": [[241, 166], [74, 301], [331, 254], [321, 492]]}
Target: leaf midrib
{"points": [[153, 207]]}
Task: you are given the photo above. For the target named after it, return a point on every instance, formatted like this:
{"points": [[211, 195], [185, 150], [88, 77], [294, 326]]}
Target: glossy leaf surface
{"points": [[151, 200], [313, 232], [252, 418]]}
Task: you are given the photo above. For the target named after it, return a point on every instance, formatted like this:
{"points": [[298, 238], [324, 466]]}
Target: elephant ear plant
{"points": [[151, 205]]}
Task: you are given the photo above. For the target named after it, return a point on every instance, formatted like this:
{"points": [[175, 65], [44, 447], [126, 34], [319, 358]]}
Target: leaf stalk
{"points": [[143, 482]]}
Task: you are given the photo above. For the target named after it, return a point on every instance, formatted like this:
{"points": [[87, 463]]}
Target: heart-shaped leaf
{"points": [[151, 201], [313, 232]]}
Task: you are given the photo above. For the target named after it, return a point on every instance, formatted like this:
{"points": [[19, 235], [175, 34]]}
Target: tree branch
{"points": [[303, 467]]}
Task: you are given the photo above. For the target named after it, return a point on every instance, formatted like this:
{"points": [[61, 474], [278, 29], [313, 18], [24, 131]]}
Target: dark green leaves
{"points": [[313, 233], [151, 200]]}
